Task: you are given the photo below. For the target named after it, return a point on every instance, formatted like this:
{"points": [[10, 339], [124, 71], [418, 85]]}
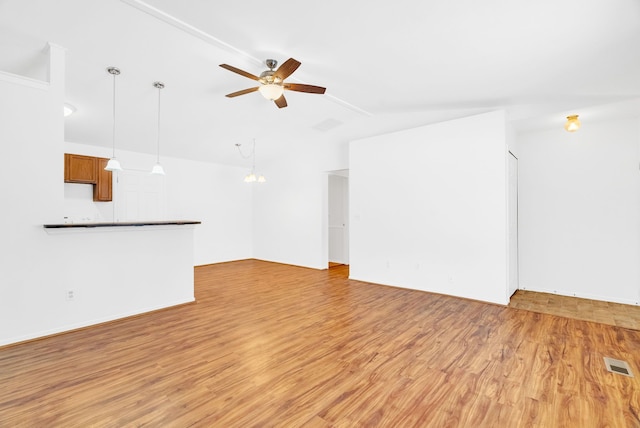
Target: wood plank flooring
{"points": [[582, 309], [270, 345]]}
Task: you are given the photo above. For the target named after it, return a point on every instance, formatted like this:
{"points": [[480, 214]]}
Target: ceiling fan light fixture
{"points": [[572, 124], [271, 91], [272, 82]]}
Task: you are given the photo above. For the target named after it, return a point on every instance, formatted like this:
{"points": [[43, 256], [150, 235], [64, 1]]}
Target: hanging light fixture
{"points": [[157, 168], [572, 124], [114, 164], [252, 177]]}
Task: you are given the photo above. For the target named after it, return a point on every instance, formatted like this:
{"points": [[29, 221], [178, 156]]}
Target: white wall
{"points": [[579, 201], [217, 196], [291, 208], [428, 208], [31, 134]]}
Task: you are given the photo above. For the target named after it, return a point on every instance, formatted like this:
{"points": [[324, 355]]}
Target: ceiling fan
{"points": [[272, 84]]}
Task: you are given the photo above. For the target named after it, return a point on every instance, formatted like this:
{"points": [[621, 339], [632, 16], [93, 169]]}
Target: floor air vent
{"points": [[617, 366]]}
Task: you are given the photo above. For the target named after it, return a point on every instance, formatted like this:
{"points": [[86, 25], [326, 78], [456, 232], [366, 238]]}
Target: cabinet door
{"points": [[102, 190], [80, 169]]}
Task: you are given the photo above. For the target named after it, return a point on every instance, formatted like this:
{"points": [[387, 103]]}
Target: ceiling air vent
{"points": [[617, 366], [327, 125]]}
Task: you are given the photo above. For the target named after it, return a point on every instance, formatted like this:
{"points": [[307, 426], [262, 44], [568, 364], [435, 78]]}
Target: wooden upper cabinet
{"points": [[102, 189], [89, 170], [80, 169]]}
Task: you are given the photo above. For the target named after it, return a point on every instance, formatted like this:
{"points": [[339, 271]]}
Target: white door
{"points": [[338, 219], [140, 196], [513, 224]]}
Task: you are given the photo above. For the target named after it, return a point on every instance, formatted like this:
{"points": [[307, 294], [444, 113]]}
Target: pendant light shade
{"points": [[113, 164], [157, 168]]}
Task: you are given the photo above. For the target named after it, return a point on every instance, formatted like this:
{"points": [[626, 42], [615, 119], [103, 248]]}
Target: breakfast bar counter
{"points": [[120, 224]]}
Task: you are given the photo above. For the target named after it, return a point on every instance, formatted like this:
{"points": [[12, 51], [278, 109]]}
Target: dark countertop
{"points": [[121, 223]]}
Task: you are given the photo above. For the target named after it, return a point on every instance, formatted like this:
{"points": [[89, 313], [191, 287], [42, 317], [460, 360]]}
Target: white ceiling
{"points": [[386, 66]]}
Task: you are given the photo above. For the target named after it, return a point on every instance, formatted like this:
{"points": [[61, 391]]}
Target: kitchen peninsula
{"points": [[115, 270]]}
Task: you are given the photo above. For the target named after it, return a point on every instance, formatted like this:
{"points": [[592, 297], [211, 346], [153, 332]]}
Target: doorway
{"points": [[338, 218], [513, 224]]}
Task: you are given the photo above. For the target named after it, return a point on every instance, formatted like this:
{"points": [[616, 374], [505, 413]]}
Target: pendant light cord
{"points": [[114, 116], [158, 151], [251, 155], [252, 176], [113, 136]]}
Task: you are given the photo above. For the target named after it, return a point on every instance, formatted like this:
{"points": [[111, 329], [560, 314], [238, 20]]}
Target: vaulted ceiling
{"points": [[386, 66]]}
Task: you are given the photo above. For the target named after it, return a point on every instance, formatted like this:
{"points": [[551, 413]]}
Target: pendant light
{"points": [[113, 164], [157, 168]]}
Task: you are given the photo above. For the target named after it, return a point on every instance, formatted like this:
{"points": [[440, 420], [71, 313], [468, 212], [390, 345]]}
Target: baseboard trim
{"points": [[581, 295], [93, 324]]}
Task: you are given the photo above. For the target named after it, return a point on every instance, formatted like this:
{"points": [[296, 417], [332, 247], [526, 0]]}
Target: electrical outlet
{"points": [[70, 295]]}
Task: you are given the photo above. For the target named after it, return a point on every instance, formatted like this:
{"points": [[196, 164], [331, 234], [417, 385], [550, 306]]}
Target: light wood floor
{"points": [[274, 345], [582, 309]]}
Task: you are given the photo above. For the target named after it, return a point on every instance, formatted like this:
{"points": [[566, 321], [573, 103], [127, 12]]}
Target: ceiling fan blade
{"points": [[288, 67], [305, 88], [281, 102], [242, 92], [240, 72]]}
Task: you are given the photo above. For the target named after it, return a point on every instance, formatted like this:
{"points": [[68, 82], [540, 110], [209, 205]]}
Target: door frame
{"points": [[511, 158]]}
